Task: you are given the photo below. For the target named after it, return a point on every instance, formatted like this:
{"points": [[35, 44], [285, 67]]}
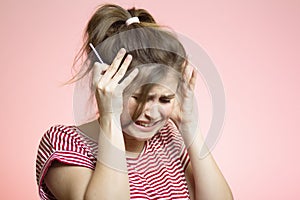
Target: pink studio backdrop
{"points": [[254, 44]]}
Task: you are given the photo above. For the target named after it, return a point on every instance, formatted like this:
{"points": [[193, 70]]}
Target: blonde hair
{"points": [[147, 42]]}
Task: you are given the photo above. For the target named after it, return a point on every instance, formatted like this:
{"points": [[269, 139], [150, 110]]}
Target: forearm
{"points": [[209, 181], [107, 183], [110, 177]]}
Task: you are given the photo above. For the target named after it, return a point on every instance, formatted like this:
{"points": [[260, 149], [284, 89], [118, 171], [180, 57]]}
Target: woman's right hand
{"points": [[106, 78]]}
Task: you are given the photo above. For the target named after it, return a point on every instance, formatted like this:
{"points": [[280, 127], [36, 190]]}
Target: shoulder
{"points": [[167, 138], [171, 134], [170, 129], [63, 140], [58, 131], [172, 137], [64, 144]]}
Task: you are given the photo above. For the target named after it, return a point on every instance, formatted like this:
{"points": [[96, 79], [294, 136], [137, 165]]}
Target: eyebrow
{"points": [[169, 96]]}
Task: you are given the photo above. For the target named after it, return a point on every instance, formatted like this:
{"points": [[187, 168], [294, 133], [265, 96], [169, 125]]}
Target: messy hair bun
{"points": [[109, 20], [146, 41]]}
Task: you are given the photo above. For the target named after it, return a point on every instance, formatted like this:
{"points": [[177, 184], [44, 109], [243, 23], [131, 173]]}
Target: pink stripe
{"points": [[158, 172]]}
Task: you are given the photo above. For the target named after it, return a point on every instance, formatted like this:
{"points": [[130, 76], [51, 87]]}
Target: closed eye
{"points": [[165, 100], [135, 97]]}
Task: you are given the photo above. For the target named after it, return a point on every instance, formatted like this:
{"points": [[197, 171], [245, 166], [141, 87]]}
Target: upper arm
{"points": [[190, 180], [68, 182], [64, 164]]}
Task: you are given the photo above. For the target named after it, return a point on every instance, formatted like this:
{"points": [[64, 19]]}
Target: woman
{"points": [[144, 143]]}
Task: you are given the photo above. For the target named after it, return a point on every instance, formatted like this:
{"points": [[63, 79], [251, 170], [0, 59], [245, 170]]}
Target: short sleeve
{"points": [[63, 144]]}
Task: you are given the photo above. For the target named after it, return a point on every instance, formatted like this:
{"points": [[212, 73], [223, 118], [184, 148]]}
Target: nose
{"points": [[152, 111]]}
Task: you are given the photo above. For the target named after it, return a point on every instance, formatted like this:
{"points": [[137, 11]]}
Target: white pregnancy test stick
{"points": [[96, 53]]}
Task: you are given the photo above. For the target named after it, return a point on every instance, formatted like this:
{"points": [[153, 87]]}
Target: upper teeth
{"points": [[144, 124]]}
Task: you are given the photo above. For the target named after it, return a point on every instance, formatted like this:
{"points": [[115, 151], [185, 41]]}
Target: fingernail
{"points": [[122, 51], [135, 71], [129, 57]]}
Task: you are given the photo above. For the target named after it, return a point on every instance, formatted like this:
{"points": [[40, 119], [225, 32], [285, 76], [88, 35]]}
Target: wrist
{"points": [[108, 117], [189, 132], [110, 127]]}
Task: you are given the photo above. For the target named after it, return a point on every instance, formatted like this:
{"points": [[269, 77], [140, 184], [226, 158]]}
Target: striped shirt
{"points": [[157, 173]]}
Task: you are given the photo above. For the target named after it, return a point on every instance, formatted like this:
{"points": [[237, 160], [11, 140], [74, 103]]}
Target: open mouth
{"points": [[146, 124]]}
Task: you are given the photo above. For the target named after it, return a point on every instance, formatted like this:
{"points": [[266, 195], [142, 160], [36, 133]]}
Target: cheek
{"points": [[128, 110], [130, 106], [168, 109]]}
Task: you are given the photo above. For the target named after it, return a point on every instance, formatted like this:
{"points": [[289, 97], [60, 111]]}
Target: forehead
{"points": [[167, 85], [162, 89], [154, 77]]}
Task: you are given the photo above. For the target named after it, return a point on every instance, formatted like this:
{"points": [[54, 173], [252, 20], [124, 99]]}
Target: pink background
{"points": [[254, 44]]}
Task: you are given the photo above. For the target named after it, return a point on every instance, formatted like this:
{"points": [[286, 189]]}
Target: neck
{"points": [[133, 147]]}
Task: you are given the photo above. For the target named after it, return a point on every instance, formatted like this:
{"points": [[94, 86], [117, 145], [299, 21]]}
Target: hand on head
{"points": [[106, 80]]}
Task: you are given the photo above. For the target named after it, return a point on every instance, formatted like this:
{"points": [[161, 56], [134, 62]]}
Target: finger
{"points": [[123, 69], [193, 79], [190, 76], [187, 73], [98, 69], [114, 65], [120, 73], [128, 79]]}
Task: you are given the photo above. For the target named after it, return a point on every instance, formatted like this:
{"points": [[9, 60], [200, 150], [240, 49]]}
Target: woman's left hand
{"points": [[185, 114]]}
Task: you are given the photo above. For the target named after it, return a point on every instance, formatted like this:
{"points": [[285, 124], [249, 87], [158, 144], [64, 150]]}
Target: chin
{"points": [[141, 134], [142, 139]]}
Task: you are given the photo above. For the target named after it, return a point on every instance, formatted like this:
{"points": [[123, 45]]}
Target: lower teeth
{"points": [[145, 125]]}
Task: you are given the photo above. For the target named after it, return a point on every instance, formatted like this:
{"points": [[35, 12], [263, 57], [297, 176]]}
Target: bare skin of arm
{"points": [[203, 175], [78, 183]]}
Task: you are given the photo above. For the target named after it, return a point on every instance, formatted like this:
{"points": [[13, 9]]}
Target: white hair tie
{"points": [[132, 20]]}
